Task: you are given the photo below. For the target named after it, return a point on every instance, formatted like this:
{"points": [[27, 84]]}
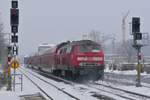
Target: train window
{"points": [[89, 48], [58, 52], [64, 50], [61, 51], [68, 49]]}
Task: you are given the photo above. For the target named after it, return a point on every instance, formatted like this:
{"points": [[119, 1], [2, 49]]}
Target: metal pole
{"points": [[14, 68], [138, 84], [21, 82], [14, 80]]}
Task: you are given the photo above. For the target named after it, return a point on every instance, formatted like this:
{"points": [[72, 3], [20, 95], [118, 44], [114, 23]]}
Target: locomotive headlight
{"points": [[79, 58], [89, 58], [97, 58]]}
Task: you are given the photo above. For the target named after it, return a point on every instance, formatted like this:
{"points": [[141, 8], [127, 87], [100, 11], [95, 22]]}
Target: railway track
{"points": [[71, 83], [119, 92], [127, 95], [146, 86], [44, 91], [37, 96], [58, 79], [124, 82]]}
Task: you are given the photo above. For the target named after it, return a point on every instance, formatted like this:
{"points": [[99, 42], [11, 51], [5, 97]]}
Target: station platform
{"points": [[37, 96]]}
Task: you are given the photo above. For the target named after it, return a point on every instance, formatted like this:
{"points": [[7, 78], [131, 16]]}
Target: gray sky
{"points": [[54, 21]]}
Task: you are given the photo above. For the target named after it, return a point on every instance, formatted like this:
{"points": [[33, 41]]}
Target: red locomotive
{"points": [[71, 59]]}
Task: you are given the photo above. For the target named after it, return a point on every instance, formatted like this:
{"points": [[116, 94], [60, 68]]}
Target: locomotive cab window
{"points": [[89, 48], [58, 52], [63, 50], [68, 49]]}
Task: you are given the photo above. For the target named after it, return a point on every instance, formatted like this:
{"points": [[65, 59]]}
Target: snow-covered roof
{"points": [[46, 45]]}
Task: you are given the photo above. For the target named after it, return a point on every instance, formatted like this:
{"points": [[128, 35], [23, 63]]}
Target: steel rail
{"points": [[37, 85], [72, 96], [126, 91]]}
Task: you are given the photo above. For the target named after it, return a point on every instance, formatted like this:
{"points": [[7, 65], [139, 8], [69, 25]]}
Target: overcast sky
{"points": [[54, 21]]}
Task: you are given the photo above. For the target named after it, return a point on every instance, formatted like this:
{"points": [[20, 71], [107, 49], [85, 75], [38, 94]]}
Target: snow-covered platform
{"points": [[37, 96]]}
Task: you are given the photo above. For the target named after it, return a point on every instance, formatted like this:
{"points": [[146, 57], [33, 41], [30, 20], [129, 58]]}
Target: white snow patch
{"points": [[4, 95]]}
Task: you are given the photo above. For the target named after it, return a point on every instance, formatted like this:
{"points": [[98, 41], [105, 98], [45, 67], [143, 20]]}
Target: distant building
{"points": [[42, 48]]}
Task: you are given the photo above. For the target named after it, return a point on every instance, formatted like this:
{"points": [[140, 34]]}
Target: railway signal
{"points": [[14, 22], [135, 24], [14, 29], [14, 14], [137, 39], [14, 39], [14, 4], [14, 17], [9, 55], [138, 36], [15, 50]]}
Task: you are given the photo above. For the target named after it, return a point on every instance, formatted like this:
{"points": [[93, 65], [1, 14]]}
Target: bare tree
{"points": [[98, 37], [3, 48], [130, 51], [127, 53], [95, 36], [1, 40]]}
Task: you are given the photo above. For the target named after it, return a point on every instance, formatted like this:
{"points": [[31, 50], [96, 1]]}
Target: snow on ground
{"points": [[129, 72], [29, 88], [80, 91], [141, 90], [69, 88], [4, 95]]}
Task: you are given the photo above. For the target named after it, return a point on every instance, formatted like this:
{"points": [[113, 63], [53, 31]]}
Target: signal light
{"points": [[14, 29], [137, 36], [135, 24], [139, 56], [15, 50], [14, 17], [14, 39], [9, 59], [14, 4]]}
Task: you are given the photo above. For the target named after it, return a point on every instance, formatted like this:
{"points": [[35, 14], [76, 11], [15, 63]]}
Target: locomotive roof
{"points": [[62, 44], [83, 42], [80, 42], [46, 45]]}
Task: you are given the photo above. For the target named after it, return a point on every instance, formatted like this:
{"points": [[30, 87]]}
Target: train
{"points": [[76, 59]]}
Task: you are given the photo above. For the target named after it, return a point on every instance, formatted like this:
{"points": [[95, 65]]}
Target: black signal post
{"points": [[14, 22], [137, 38]]}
